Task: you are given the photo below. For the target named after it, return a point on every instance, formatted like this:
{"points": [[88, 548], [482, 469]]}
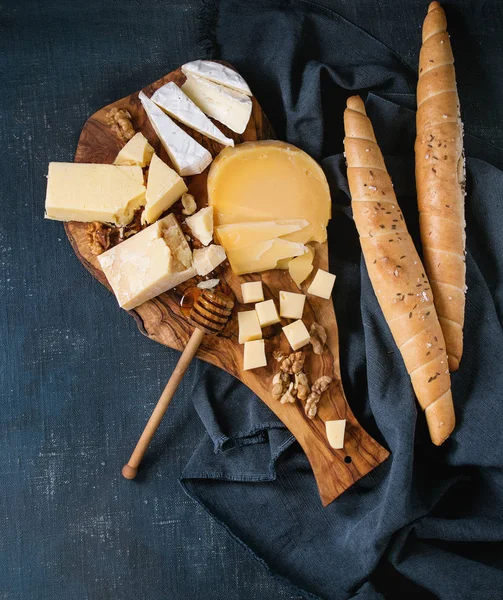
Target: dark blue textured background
{"points": [[78, 381]]}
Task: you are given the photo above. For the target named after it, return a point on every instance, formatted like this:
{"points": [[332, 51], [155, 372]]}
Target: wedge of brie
{"points": [[221, 103], [187, 156], [179, 106], [217, 73]]}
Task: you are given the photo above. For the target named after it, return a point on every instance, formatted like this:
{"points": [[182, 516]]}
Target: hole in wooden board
{"points": [[347, 459]]}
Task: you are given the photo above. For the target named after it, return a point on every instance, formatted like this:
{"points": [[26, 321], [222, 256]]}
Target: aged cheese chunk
{"points": [[249, 327], [231, 108], [218, 74], [322, 284], [187, 156], [291, 305], [267, 313], [263, 256], [254, 355], [136, 152], [146, 264], [300, 267], [89, 192], [270, 181], [240, 235], [182, 254], [179, 106], [335, 433], [252, 291], [201, 225], [297, 334], [207, 259], [189, 204], [164, 188]]}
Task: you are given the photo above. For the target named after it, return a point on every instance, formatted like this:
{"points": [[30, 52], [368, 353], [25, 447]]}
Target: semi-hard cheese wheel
{"points": [[268, 181]]}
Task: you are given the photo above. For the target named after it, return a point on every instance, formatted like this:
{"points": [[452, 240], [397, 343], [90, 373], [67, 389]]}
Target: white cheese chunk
{"points": [[201, 224], [223, 104], [249, 327], [179, 106], [322, 284], [254, 355], [136, 152], [146, 264], [267, 313], [252, 291], [187, 156], [297, 334], [217, 73], [291, 305], [164, 188], [207, 259], [335, 433]]}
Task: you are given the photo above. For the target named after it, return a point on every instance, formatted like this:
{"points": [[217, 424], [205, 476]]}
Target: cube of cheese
{"points": [[254, 355], [335, 433], [201, 225], [252, 291], [296, 334], [249, 327], [207, 259], [164, 188], [147, 264], [291, 305], [136, 152], [267, 313], [322, 284]]}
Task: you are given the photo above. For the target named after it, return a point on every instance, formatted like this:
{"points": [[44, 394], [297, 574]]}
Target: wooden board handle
{"points": [[130, 469]]}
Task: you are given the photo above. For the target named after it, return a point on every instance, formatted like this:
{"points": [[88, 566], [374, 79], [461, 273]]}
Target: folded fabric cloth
{"points": [[428, 520]]}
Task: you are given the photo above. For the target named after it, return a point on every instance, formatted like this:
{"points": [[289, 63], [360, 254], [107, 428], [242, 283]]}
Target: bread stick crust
{"points": [[396, 271]]}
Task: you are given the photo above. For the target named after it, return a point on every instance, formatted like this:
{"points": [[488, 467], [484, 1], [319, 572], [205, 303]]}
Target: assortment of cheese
{"points": [[265, 313]]}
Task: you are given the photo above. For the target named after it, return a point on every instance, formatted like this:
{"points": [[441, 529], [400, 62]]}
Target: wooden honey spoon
{"points": [[210, 314]]}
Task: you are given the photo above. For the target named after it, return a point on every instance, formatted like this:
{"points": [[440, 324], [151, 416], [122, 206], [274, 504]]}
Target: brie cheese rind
{"points": [[187, 156], [179, 106], [231, 108], [149, 263], [217, 73], [92, 192]]}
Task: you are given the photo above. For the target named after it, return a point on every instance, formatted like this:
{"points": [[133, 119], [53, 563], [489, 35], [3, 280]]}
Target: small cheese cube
{"points": [[335, 433], [322, 284], [201, 225], [249, 327], [291, 305], [252, 291], [267, 313], [296, 334], [254, 355]]}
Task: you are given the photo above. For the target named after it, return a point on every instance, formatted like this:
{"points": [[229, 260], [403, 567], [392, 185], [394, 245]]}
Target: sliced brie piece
{"points": [[188, 157], [164, 188], [179, 106], [201, 224], [218, 73], [223, 104]]}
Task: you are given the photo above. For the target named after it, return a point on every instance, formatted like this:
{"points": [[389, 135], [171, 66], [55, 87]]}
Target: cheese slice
{"points": [[207, 259], [136, 152], [218, 73], [89, 192], [239, 235], [300, 267], [164, 188], [145, 265], [262, 256], [335, 433], [201, 225], [179, 106], [269, 181], [223, 104], [187, 156]]}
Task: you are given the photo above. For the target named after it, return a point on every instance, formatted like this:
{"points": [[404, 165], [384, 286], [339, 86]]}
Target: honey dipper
{"points": [[209, 314]]}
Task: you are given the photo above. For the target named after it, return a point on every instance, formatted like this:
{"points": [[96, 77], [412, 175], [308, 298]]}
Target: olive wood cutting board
{"points": [[163, 319]]}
